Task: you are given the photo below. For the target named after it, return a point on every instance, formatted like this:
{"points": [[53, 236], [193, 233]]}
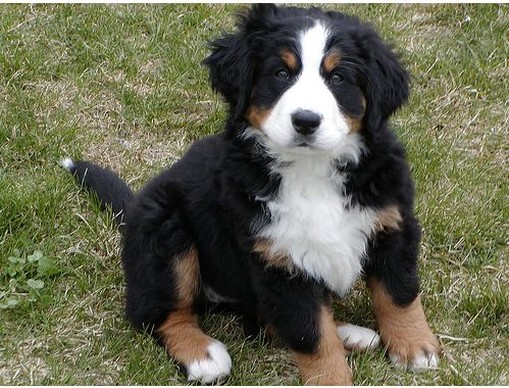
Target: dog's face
{"points": [[307, 81], [301, 97]]}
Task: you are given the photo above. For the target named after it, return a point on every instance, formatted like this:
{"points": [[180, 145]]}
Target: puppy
{"points": [[305, 190]]}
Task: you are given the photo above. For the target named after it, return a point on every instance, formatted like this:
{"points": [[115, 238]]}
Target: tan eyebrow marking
{"points": [[331, 61], [290, 59]]}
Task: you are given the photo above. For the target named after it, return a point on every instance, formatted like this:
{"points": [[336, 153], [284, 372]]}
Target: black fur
{"points": [[208, 199], [111, 191]]}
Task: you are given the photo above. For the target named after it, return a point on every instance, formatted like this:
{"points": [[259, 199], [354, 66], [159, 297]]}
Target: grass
{"points": [[122, 85]]}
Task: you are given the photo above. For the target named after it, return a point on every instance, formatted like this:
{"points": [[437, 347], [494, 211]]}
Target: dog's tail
{"points": [[111, 191]]}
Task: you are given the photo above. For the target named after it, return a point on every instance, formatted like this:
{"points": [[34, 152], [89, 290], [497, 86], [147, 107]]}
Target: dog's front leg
{"points": [[299, 311], [326, 363], [404, 330], [393, 281]]}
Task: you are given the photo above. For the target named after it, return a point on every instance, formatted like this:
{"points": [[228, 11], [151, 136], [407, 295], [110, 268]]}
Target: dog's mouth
{"points": [[305, 148], [304, 141]]}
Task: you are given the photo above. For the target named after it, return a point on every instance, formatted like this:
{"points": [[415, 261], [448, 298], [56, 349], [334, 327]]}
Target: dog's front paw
{"points": [[216, 365], [421, 354], [419, 362]]}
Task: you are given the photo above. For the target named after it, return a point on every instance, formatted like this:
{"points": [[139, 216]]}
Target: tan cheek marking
{"points": [[183, 338], [289, 59], [404, 330], [355, 123], [327, 366], [388, 219], [257, 116], [187, 274], [331, 61], [273, 259]]}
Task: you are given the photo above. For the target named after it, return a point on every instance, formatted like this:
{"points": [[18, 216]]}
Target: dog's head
{"points": [[306, 79]]}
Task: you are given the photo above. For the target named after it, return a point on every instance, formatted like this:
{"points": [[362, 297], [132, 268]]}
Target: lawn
{"points": [[122, 85]]}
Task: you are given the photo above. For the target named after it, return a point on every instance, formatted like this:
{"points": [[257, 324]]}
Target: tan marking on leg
{"points": [[257, 116], [205, 359], [331, 61], [183, 338], [388, 219], [187, 274], [273, 259], [404, 330], [290, 59], [327, 365]]}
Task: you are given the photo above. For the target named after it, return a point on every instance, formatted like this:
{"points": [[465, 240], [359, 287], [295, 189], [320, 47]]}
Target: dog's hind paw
{"points": [[358, 338], [214, 367]]}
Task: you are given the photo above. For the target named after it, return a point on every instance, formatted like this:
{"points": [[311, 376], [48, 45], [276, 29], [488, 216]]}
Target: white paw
{"points": [[357, 337], [216, 366], [419, 362]]}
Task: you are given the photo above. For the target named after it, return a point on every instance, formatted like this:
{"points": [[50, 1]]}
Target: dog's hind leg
{"points": [[205, 359], [162, 267]]}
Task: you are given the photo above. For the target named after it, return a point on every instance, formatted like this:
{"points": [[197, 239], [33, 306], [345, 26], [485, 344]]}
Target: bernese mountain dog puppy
{"points": [[305, 190]]}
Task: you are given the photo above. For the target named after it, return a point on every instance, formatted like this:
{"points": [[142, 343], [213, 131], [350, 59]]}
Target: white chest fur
{"points": [[312, 223]]}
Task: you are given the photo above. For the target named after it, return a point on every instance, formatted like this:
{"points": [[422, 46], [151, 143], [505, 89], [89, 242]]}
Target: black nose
{"points": [[306, 122]]}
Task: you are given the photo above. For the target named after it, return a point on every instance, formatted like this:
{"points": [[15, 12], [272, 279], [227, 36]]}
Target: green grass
{"points": [[123, 86]]}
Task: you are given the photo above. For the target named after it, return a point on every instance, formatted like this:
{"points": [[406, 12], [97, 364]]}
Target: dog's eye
{"points": [[282, 74], [336, 78]]}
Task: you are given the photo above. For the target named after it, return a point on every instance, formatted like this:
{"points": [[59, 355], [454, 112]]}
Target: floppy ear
{"points": [[231, 61], [387, 83], [230, 70]]}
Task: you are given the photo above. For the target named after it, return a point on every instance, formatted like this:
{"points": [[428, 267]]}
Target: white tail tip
{"points": [[67, 163]]}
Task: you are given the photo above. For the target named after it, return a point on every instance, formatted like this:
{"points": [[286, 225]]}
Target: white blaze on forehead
{"points": [[310, 91], [313, 45]]}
